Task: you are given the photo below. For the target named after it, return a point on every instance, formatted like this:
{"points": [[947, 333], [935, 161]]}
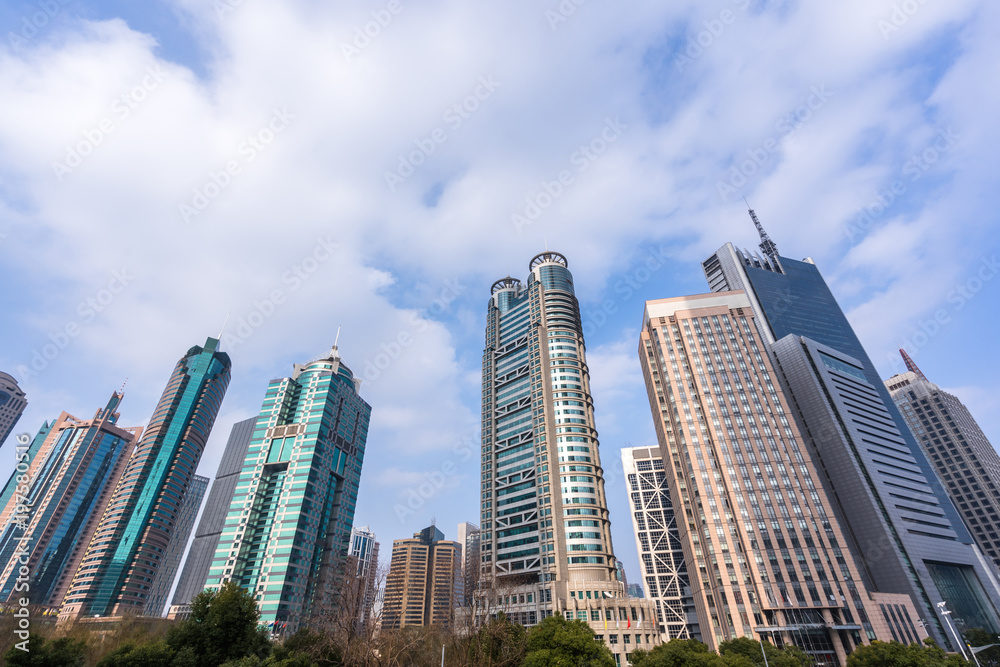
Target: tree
{"points": [[685, 653], [498, 643], [222, 627], [879, 654], [153, 654], [63, 652], [789, 656], [979, 637], [556, 642]]}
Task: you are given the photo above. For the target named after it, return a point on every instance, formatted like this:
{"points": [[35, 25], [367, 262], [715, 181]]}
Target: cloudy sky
{"points": [[376, 166]]}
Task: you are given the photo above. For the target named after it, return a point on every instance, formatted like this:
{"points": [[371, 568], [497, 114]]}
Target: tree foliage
{"points": [[556, 642], [222, 627], [154, 654], [63, 652], [879, 654], [788, 656]]}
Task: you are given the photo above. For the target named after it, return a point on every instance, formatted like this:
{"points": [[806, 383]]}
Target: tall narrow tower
{"points": [[957, 448], [125, 558], [12, 404], [289, 520], [546, 533]]}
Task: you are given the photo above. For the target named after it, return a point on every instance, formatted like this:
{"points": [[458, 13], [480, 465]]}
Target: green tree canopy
{"points": [[556, 642], [153, 654], [880, 654], [63, 652], [222, 627], [789, 656]]}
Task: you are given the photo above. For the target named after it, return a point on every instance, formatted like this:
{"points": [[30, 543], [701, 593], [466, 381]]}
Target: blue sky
{"points": [[164, 164]]}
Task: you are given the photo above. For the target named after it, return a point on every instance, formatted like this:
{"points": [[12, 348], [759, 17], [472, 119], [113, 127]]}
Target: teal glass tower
{"points": [[75, 470], [125, 558], [289, 522]]}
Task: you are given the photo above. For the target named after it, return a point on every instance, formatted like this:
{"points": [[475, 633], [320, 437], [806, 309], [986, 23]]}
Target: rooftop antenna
{"points": [[335, 352], [767, 246], [224, 324], [912, 367], [337, 339], [122, 390]]}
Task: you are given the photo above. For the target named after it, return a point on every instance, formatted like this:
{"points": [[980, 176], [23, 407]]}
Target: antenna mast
{"points": [[912, 367], [767, 246]]}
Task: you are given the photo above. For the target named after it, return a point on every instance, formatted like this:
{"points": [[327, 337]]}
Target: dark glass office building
{"points": [[874, 468]]}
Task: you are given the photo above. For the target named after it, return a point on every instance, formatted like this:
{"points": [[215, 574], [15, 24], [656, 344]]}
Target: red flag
{"points": [[629, 625]]}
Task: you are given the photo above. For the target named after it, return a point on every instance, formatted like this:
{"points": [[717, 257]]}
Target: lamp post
{"points": [[958, 640]]}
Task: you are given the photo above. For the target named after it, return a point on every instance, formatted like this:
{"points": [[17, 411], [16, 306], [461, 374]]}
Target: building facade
{"points": [[160, 592], [661, 559], [289, 522], [72, 475], [12, 404], [213, 519], [790, 298], [764, 553], [963, 457], [468, 537], [126, 555], [364, 549], [546, 538], [423, 581]]}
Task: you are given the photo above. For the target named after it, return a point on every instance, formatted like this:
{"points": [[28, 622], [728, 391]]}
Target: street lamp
{"points": [[958, 640]]}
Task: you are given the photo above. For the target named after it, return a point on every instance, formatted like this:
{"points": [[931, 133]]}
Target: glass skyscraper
{"points": [[959, 450], [902, 527], [546, 534], [12, 404], [125, 556], [71, 476], [289, 522]]}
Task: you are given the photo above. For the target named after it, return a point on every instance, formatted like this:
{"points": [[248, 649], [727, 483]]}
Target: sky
{"points": [[372, 167]]}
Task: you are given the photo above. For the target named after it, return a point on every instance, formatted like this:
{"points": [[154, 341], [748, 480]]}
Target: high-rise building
{"points": [[12, 404], [71, 477], [958, 449], [546, 537], [126, 555], [213, 519], [932, 562], [289, 522], [422, 582], [468, 537], [178, 543], [635, 591], [364, 549], [764, 553], [661, 558]]}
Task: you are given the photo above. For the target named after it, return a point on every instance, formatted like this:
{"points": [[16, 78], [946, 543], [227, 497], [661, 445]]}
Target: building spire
{"points": [[767, 246], [912, 367]]}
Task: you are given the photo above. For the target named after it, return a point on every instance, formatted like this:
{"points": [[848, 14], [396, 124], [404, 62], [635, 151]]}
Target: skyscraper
{"points": [[12, 404], [289, 522], [661, 559], [957, 448], [546, 538], [125, 556], [931, 563], [764, 553], [422, 582], [159, 593], [364, 549], [213, 519], [71, 477], [468, 537]]}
